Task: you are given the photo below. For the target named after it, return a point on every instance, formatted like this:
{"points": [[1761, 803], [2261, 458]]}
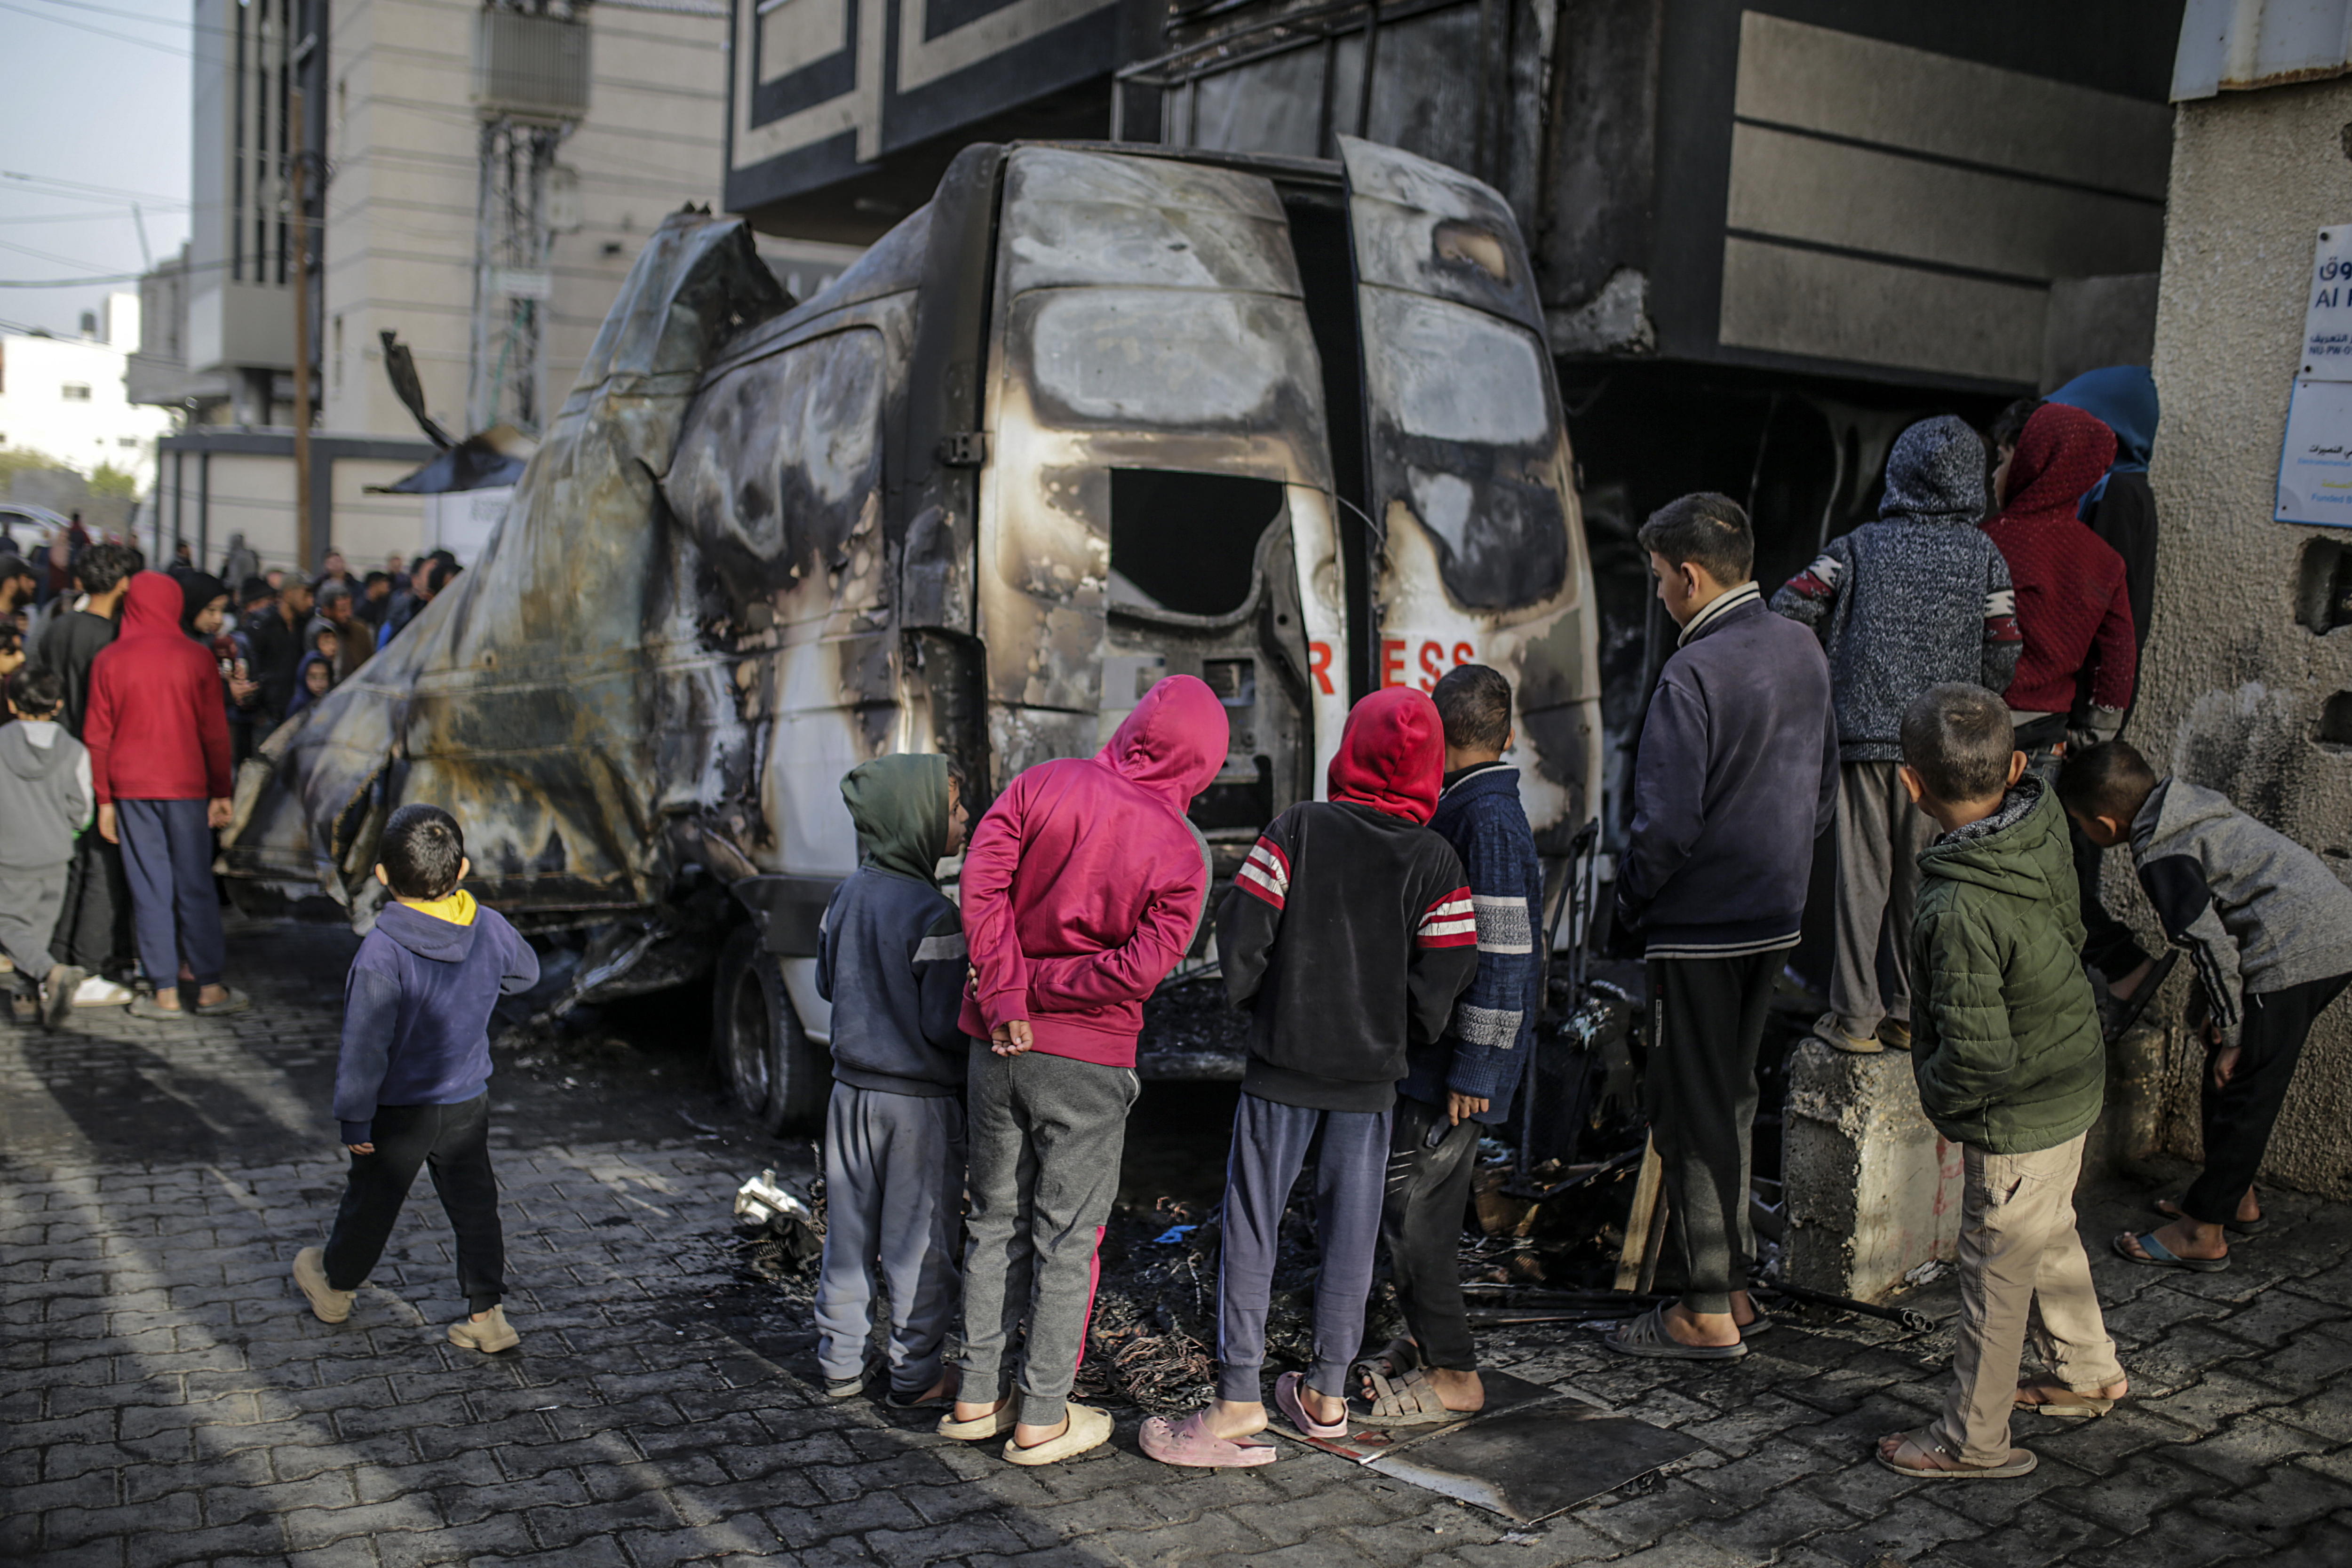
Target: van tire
{"points": [[771, 1069]]}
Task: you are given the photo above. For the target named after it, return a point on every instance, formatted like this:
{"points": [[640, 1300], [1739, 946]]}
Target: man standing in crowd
{"points": [[276, 639], [93, 932], [354, 638], [1737, 775], [1916, 599], [159, 758]]}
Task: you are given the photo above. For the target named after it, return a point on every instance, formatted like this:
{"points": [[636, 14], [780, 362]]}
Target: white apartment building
{"points": [[64, 397], [389, 92]]}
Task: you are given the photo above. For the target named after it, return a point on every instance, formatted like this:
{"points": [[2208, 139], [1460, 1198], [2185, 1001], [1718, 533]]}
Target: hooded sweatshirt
{"points": [[416, 1007], [1736, 776], [45, 795], [2256, 911], [2121, 507], [1085, 882], [1350, 930], [890, 949], [2004, 1034], [1919, 597], [155, 728], [2072, 603]]}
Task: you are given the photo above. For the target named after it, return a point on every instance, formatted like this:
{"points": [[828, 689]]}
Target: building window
{"points": [[75, 392], [338, 354], [126, 440]]}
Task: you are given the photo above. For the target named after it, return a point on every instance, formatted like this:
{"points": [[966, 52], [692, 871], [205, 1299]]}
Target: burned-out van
{"points": [[1092, 416]]}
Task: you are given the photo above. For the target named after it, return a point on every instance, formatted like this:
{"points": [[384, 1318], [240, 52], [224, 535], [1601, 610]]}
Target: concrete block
{"points": [[1872, 1191]]}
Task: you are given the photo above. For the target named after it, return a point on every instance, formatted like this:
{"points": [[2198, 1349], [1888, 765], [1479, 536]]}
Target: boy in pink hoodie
{"points": [[1083, 886]]}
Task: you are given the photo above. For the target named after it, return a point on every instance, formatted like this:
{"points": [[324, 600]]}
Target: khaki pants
{"points": [[2022, 1271]]}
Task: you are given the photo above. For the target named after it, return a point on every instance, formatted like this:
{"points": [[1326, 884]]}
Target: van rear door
{"points": [[1482, 551]]}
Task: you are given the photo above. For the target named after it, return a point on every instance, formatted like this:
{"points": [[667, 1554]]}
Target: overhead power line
{"points": [[101, 32]]}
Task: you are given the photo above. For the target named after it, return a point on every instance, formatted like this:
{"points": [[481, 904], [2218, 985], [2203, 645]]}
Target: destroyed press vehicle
{"points": [[1093, 416]]}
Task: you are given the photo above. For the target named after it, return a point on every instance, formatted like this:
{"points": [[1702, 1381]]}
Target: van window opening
{"points": [[1187, 543]]}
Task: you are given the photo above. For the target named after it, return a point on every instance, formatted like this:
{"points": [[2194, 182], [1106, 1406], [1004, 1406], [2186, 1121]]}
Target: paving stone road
{"points": [[165, 1398]]}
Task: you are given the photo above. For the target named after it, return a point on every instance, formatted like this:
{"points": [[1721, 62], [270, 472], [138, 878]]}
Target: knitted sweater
{"points": [[1485, 1050], [1919, 597]]}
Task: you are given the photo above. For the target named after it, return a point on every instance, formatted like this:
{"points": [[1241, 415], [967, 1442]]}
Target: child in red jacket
{"points": [[1084, 885], [1347, 934]]}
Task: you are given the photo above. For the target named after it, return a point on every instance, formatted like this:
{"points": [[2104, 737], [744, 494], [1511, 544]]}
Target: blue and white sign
{"points": [[2328, 308], [2315, 483]]}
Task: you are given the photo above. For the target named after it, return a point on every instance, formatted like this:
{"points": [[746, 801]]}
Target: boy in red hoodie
{"points": [[1083, 886], [159, 762], [1347, 934]]}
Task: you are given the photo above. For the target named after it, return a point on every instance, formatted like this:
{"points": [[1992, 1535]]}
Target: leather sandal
{"points": [[1647, 1335], [2020, 1462]]}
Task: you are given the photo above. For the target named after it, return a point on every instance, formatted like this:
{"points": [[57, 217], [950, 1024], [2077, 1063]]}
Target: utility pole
{"points": [[298, 184]]}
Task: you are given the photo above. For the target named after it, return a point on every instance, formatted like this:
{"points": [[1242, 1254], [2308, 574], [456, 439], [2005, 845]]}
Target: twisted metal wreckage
{"points": [[1092, 415]]}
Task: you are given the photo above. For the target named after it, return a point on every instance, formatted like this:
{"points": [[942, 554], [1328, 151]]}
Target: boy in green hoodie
{"points": [[891, 959], [2006, 1050]]}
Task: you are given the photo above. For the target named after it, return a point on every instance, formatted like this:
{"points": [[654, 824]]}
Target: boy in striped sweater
{"points": [[1460, 1086], [1347, 934]]}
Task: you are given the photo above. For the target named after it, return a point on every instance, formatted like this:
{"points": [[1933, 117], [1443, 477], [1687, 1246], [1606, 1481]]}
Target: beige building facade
{"points": [[400, 224], [2246, 685]]}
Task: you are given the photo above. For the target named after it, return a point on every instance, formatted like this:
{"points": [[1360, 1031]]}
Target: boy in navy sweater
{"points": [[891, 959], [1457, 1086], [1736, 776], [412, 1084]]}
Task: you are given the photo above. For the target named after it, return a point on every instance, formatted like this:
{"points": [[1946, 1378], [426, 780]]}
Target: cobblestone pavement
{"points": [[166, 1399]]}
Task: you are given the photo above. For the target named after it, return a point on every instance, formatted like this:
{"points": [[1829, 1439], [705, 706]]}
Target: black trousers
{"points": [[2238, 1116], [1706, 1024], [94, 927], [455, 1141], [1421, 1222]]}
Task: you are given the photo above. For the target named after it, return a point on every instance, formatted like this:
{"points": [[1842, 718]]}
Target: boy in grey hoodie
{"points": [[1919, 597], [2269, 930], [44, 801], [891, 959]]}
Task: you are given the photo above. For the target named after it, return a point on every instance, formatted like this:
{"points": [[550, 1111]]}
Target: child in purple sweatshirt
{"points": [[413, 1084]]}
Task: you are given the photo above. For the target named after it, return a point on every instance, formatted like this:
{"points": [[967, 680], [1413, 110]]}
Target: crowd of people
{"points": [[146, 690], [1943, 692]]}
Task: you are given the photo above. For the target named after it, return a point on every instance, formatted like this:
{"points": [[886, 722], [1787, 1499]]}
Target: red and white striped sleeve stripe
{"points": [[1451, 922], [1267, 872]]}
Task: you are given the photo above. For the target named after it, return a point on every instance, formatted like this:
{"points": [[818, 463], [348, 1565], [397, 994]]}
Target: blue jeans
{"points": [[167, 859]]}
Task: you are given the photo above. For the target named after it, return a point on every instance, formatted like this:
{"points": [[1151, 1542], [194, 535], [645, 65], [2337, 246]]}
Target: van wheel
{"points": [[772, 1069]]}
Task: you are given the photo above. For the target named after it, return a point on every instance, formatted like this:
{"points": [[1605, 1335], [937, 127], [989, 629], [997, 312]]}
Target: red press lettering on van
{"points": [[1318, 665]]}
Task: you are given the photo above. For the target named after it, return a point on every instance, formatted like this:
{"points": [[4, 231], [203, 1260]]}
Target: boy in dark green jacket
{"points": [[2006, 1049]]}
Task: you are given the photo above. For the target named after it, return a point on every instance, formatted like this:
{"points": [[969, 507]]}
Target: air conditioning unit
{"points": [[531, 65]]}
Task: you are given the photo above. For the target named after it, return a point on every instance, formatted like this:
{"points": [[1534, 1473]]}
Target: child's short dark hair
{"points": [[1474, 701], [422, 849], [2110, 779], [2010, 423], [1708, 530], [36, 692], [1958, 739], [958, 779], [102, 566]]}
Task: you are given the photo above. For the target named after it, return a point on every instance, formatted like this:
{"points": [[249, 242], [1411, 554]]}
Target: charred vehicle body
{"points": [[1091, 416]]}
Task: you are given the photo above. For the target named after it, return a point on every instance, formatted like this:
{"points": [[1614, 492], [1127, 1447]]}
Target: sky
{"points": [[90, 123]]}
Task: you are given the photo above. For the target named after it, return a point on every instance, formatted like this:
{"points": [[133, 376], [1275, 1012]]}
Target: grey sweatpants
{"points": [[1046, 1136], [1879, 836], [893, 1196], [30, 897], [1269, 1146]]}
